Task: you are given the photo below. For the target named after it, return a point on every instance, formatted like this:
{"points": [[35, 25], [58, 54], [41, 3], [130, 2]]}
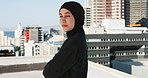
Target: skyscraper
{"points": [[87, 9], [135, 10], [18, 33], [1, 38], [118, 9], [100, 9], [130, 10], [87, 21]]}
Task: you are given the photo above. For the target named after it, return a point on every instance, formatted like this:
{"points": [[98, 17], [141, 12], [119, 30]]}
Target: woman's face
{"points": [[67, 20]]}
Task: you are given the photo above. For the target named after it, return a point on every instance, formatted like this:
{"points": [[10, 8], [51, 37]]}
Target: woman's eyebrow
{"points": [[67, 13]]}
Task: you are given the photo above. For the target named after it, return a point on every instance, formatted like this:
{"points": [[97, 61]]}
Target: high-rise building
{"points": [[127, 12], [5, 40], [1, 38], [18, 33], [87, 2], [87, 21], [22, 47], [33, 32], [87, 9], [135, 10], [130, 10], [118, 9], [100, 9]]}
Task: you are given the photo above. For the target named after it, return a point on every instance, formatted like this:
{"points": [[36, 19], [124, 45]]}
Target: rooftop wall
{"points": [[31, 67]]}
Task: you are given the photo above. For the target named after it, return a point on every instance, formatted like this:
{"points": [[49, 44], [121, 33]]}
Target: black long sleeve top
{"points": [[70, 61]]}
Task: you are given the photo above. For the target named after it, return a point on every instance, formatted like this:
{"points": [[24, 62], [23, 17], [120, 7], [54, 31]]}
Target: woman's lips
{"points": [[64, 25]]}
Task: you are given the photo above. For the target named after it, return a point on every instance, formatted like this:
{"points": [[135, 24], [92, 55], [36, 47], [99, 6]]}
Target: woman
{"points": [[71, 60]]}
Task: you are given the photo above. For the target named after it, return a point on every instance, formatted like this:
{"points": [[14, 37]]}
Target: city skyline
{"points": [[30, 12]]}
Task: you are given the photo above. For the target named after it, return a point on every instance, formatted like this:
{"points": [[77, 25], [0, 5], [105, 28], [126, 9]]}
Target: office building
{"points": [[18, 33], [87, 9], [1, 38], [130, 10], [33, 32], [4, 39], [117, 43], [39, 49], [135, 10], [22, 47], [117, 9], [87, 3], [100, 9], [87, 21], [104, 48]]}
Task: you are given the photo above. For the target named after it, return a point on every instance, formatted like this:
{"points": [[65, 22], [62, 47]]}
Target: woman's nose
{"points": [[63, 20]]}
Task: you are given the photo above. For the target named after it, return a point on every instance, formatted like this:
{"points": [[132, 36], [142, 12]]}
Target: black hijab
{"points": [[78, 12]]}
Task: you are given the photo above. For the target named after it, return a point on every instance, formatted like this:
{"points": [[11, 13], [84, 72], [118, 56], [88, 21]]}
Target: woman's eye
{"points": [[67, 16], [61, 16]]}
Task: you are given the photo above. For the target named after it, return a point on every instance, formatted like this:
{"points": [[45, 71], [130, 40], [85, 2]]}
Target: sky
{"points": [[30, 12]]}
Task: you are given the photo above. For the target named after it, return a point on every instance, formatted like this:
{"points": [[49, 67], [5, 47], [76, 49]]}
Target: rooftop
{"points": [[10, 67], [135, 67]]}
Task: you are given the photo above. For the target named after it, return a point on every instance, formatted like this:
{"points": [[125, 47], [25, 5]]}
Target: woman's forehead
{"points": [[64, 11]]}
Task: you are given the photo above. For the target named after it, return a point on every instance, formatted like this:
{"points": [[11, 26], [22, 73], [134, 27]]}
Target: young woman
{"points": [[71, 60]]}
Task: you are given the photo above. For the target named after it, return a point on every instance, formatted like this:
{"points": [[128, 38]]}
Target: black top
{"points": [[71, 61]]}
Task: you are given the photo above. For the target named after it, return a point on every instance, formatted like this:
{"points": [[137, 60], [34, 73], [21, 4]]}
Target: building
{"points": [[18, 33], [33, 32], [32, 67], [22, 47], [4, 40], [1, 38], [130, 10], [135, 67], [87, 9], [87, 3], [135, 10], [118, 9], [117, 26], [104, 48], [97, 30], [100, 9], [39, 49], [116, 42], [114, 26], [87, 21]]}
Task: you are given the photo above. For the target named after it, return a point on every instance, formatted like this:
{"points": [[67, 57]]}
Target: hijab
{"points": [[78, 12]]}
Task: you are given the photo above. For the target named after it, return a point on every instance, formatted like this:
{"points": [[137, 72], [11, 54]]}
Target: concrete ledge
{"points": [[31, 67], [24, 74], [19, 64], [96, 70], [21, 67]]}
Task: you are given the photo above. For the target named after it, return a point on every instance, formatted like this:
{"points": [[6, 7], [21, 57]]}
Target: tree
{"points": [[143, 22], [17, 48]]}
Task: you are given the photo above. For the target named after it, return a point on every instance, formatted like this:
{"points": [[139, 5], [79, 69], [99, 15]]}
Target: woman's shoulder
{"points": [[77, 38]]}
